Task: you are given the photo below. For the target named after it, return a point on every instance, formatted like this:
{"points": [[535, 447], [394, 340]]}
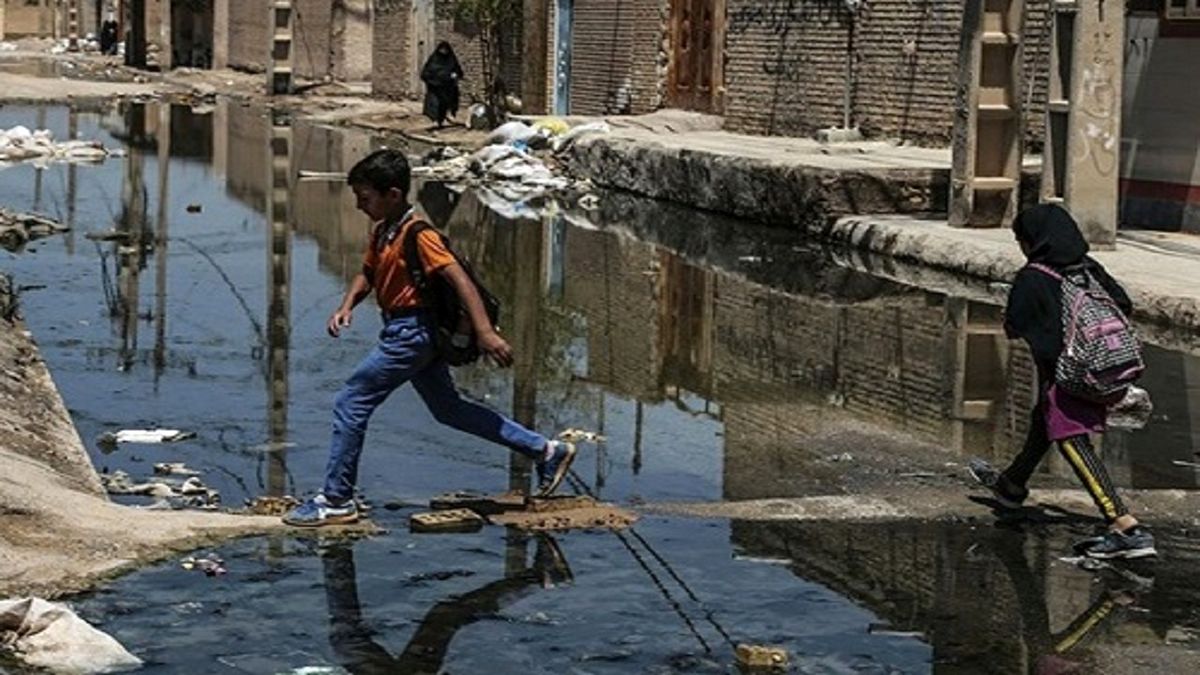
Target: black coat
{"points": [[441, 75], [1034, 311]]}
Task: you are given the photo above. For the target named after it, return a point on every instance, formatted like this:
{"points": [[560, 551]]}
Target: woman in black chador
{"points": [[441, 75]]}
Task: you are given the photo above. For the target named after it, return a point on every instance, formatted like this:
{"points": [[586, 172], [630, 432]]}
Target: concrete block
{"points": [[454, 520], [571, 514]]}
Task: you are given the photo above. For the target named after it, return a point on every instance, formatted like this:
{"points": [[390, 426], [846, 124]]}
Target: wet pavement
{"points": [[720, 360]]}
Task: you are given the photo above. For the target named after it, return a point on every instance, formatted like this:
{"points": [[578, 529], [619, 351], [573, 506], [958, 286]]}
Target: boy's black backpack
{"points": [[455, 337]]}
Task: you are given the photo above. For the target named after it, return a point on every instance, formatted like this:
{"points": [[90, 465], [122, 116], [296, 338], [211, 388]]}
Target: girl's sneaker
{"points": [[552, 471], [319, 511], [987, 476], [1136, 542]]}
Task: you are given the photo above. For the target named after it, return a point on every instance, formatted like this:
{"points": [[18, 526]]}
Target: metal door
{"points": [[697, 33], [565, 16], [421, 42]]}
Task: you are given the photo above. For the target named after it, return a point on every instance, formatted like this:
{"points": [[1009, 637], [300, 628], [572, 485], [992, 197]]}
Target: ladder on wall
{"points": [[1080, 168], [279, 66], [985, 179]]}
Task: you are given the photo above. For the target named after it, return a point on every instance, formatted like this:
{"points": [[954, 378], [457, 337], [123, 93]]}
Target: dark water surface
{"points": [[700, 348]]}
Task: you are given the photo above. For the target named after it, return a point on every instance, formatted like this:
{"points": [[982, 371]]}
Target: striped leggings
{"points": [[1079, 453]]}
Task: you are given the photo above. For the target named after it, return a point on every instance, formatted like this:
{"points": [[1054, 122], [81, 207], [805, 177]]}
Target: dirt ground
{"points": [[58, 531]]}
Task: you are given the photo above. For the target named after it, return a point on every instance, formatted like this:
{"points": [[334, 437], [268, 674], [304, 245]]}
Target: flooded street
{"points": [[720, 360]]}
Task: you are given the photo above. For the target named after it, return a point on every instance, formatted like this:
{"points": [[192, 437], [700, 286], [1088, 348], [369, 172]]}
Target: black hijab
{"points": [[442, 64], [1050, 237]]}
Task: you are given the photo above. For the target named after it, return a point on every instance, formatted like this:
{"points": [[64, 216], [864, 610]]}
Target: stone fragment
{"points": [[454, 520]]}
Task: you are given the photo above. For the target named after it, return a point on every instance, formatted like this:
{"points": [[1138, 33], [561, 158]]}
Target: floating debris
{"points": [[190, 494], [762, 657], [18, 229], [211, 565], [19, 144], [194, 208], [580, 436], [144, 436], [174, 469]]}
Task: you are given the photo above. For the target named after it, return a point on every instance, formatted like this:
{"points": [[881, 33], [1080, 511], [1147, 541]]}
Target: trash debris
{"points": [[50, 636], [564, 141], [211, 565], [20, 144], [190, 494], [580, 436], [844, 457], [455, 520], [477, 117], [1133, 411], [144, 436], [1180, 462], [174, 469], [589, 202], [762, 656], [18, 229], [195, 208], [271, 506]]}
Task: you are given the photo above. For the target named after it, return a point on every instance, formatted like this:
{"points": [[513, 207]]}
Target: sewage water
{"points": [[720, 360]]}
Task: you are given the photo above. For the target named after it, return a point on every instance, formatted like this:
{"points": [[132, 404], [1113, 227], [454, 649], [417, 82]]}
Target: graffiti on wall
{"points": [[1099, 106]]}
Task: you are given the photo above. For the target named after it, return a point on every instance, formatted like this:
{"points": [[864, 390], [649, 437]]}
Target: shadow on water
{"points": [[720, 361]]}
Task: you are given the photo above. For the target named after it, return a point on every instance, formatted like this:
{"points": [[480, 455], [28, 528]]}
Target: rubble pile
{"points": [[517, 164]]}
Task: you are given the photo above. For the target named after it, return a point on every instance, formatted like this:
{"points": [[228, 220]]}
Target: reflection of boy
{"points": [[406, 351]]}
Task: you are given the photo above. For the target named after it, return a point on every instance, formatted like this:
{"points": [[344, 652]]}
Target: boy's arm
{"points": [[359, 289], [486, 337]]}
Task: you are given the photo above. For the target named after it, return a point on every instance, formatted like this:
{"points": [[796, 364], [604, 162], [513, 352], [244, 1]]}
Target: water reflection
{"points": [[992, 600], [356, 644]]}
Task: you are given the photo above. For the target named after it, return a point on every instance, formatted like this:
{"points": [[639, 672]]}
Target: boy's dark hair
{"points": [[382, 170]]}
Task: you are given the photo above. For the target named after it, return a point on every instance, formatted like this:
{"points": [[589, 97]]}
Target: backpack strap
{"points": [[1046, 269], [412, 254]]}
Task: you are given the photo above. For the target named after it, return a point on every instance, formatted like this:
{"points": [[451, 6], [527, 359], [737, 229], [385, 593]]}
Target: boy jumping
{"points": [[406, 351]]}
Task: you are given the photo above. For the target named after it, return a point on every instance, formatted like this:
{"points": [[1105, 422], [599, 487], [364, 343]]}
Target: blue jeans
{"points": [[405, 353]]}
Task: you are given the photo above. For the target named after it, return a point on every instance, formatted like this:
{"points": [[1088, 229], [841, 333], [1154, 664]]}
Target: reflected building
{"points": [[988, 601]]}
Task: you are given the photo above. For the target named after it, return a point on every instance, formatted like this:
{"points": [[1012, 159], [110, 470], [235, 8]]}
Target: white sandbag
{"points": [[564, 141], [50, 636]]}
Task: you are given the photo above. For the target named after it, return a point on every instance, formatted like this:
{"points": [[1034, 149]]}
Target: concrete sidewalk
{"points": [[880, 197]]}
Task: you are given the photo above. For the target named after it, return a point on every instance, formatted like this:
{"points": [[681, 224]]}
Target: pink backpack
{"points": [[1101, 353]]}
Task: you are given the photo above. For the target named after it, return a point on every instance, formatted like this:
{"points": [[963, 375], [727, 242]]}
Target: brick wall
{"points": [[461, 37], [250, 31], [389, 47], [24, 20], [786, 60], [249, 36], [352, 38], [313, 26], [615, 55]]}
